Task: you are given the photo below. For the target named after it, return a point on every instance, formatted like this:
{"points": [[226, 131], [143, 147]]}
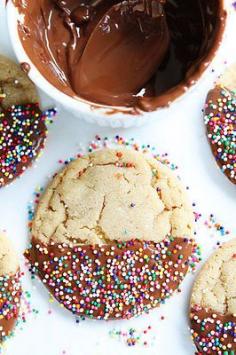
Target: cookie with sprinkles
{"points": [[22, 124], [112, 236], [213, 303], [15, 85], [22, 137], [220, 121], [10, 288]]}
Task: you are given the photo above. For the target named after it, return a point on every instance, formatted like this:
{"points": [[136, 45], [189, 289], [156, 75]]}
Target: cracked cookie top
{"points": [[213, 303], [8, 258], [113, 195], [215, 287]]}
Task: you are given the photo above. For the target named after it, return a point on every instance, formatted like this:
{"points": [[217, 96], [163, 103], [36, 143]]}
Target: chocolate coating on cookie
{"points": [[10, 288], [119, 280], [213, 333], [22, 137], [10, 295], [213, 303], [220, 121]]}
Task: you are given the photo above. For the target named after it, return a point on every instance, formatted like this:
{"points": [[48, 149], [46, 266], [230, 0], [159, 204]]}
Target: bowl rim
{"points": [[80, 105]]}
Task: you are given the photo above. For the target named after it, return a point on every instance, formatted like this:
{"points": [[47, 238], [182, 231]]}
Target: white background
{"points": [[182, 134]]}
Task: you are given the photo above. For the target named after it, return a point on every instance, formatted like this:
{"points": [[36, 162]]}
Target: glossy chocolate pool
{"points": [[55, 33]]}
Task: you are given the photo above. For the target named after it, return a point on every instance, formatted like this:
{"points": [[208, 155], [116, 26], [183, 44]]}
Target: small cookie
{"points": [[22, 124], [220, 121], [10, 288], [213, 303], [113, 235], [15, 86], [22, 137]]}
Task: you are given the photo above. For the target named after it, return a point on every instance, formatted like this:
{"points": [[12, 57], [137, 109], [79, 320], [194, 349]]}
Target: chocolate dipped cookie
{"points": [[10, 288], [213, 303], [220, 121], [112, 236], [22, 123]]}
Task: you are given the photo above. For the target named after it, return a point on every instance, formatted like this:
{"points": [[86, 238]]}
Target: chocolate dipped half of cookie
{"points": [[112, 236], [23, 130], [220, 121], [213, 303], [10, 288]]}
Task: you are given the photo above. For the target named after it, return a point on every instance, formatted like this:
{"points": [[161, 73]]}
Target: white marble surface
{"points": [[181, 133]]}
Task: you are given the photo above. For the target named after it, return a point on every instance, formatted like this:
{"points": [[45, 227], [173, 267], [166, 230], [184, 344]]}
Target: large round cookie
{"points": [[10, 288], [112, 235], [213, 303]]}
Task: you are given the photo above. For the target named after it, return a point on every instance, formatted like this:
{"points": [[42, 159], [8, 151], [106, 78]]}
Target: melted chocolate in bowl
{"points": [[55, 33]]}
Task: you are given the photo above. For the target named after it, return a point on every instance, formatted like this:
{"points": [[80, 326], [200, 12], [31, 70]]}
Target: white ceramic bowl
{"points": [[80, 108]]}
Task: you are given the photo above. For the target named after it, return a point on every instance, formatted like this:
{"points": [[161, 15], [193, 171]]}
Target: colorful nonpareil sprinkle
{"points": [[20, 310], [197, 216], [212, 224], [118, 141], [117, 280], [133, 337], [10, 298], [22, 136], [220, 120], [49, 115], [212, 332]]}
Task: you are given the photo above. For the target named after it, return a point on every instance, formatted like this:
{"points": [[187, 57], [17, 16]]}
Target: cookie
{"points": [[112, 236], [22, 124], [220, 121], [15, 86], [10, 288], [22, 137], [213, 303]]}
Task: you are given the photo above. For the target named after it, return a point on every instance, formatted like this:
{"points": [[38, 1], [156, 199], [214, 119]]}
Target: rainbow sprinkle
{"points": [[10, 295], [212, 223], [133, 337], [118, 280], [212, 332]]}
